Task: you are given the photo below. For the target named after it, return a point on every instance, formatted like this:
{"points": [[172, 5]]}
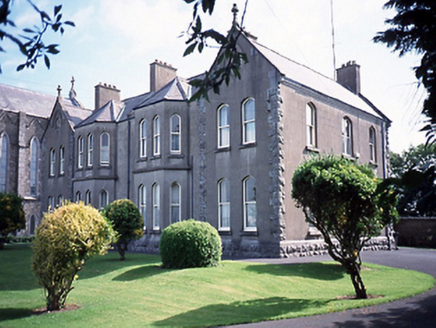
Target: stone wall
{"points": [[416, 231]]}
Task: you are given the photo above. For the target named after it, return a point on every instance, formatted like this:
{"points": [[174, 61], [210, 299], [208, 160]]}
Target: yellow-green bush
{"points": [[64, 240]]}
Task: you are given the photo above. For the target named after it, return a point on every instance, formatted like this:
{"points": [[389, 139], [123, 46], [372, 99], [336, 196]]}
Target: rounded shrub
{"points": [[190, 244]]}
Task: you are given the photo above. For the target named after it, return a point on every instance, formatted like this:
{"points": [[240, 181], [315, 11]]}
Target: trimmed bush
{"points": [[65, 239], [126, 221], [12, 217], [190, 244]]}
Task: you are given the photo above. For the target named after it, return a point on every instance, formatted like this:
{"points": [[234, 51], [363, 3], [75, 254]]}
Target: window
{"points": [[60, 200], [103, 198], [372, 146], [223, 126], [62, 160], [104, 148], [250, 211], [143, 139], [88, 197], [80, 152], [156, 136], [175, 133], [90, 150], [142, 201], [52, 162], [78, 196], [156, 206], [32, 225], [223, 205], [347, 133], [248, 121], [51, 204], [34, 156], [175, 202], [4, 160], [311, 125]]}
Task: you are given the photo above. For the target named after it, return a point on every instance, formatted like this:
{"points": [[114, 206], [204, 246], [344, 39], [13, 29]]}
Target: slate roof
{"points": [[108, 113]]}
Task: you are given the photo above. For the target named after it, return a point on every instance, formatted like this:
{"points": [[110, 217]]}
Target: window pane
{"points": [[175, 142], [175, 194], [3, 162], [250, 133], [251, 215], [224, 116], [224, 191], [224, 135], [249, 112], [175, 123], [225, 216], [250, 190], [175, 214]]}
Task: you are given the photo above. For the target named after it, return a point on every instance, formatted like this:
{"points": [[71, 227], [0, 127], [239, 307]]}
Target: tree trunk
{"points": [[356, 279], [122, 251]]}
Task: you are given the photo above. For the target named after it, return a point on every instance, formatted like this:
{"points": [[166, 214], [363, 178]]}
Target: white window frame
{"points": [[246, 122], [248, 204], [372, 145], [143, 139], [60, 200], [34, 158], [80, 152], [52, 162], [156, 206], [4, 161], [88, 197], [61, 160], [223, 204], [175, 204], [142, 203], [51, 204], [223, 129], [347, 137], [156, 136], [103, 199], [105, 150], [311, 125], [176, 135], [90, 159], [78, 196]]}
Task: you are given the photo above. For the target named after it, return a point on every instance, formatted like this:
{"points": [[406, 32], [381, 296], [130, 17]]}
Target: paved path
{"points": [[415, 312]]}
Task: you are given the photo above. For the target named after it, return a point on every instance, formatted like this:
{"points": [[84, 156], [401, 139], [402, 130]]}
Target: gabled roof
{"points": [[108, 113], [304, 76]]}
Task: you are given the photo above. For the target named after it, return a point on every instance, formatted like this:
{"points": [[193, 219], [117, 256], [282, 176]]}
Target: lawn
{"points": [[138, 292]]}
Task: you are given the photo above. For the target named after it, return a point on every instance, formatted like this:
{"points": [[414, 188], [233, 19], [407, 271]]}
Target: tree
{"points": [[342, 201], [12, 217], [65, 239], [126, 221], [29, 40], [413, 29]]}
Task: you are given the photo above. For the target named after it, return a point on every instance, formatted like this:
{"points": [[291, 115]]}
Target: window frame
{"points": [[50, 204], [105, 150], [223, 128], [156, 136], [90, 157], [248, 122], [372, 145], [78, 196], [249, 203], [51, 171], [80, 152], [347, 137], [143, 139], [103, 198], [311, 126], [62, 160], [4, 161], [223, 204], [142, 203], [176, 134], [88, 197], [175, 205], [34, 166], [155, 193]]}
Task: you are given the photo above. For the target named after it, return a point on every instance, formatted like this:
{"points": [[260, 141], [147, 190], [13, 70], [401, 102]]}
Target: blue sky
{"points": [[114, 42]]}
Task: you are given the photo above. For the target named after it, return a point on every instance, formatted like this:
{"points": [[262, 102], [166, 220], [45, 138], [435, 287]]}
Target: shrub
{"points": [[190, 244], [64, 240], [126, 221], [12, 217]]}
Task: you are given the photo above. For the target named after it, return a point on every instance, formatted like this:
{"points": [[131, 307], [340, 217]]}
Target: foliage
{"points": [[126, 220], [414, 176], [413, 29], [190, 244], [12, 216], [65, 239], [229, 59], [342, 201], [30, 42]]}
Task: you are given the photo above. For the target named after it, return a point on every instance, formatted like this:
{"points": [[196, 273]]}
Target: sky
{"points": [[115, 41]]}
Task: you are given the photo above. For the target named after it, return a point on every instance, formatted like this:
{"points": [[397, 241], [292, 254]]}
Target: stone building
{"points": [[228, 161]]}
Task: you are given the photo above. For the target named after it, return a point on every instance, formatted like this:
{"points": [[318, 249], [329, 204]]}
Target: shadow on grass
{"points": [[319, 271], [12, 314], [140, 273], [240, 312]]}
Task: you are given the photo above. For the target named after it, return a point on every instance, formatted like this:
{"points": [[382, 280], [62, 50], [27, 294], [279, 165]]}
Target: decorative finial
{"points": [[235, 11], [72, 82], [59, 90]]}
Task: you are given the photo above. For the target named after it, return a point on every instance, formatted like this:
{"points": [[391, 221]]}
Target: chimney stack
{"points": [[349, 76], [104, 93], [161, 74]]}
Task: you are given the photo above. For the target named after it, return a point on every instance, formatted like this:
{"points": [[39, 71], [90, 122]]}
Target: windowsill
{"points": [[51, 176], [142, 159], [225, 232], [80, 168], [104, 165], [176, 155], [156, 157], [313, 149], [248, 145], [89, 167], [223, 149], [155, 231], [351, 158], [61, 174], [249, 233]]}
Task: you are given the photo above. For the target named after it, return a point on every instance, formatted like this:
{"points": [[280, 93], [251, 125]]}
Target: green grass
{"points": [[138, 292]]}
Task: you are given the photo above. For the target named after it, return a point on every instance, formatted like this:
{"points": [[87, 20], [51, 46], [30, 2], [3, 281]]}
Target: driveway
{"points": [[417, 311]]}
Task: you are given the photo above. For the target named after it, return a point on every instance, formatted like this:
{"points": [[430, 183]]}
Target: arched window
{"points": [[347, 137], [88, 199], [156, 206], [104, 148], [249, 198], [143, 139], [156, 136], [52, 162], [248, 121], [80, 152], [223, 205], [4, 161], [60, 200], [142, 202], [311, 125], [223, 126], [175, 134], [34, 157], [62, 160], [51, 204], [78, 196], [372, 146], [104, 197], [90, 149], [175, 202], [32, 225]]}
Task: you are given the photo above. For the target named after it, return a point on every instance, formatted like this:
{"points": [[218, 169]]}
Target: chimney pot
{"points": [[160, 74], [349, 76]]}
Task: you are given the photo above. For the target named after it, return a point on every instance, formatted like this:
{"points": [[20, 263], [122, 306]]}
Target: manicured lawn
{"points": [[138, 292]]}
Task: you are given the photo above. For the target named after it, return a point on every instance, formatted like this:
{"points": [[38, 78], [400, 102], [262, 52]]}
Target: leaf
{"points": [[47, 61], [20, 67], [70, 23], [190, 49], [52, 49], [28, 30], [57, 9]]}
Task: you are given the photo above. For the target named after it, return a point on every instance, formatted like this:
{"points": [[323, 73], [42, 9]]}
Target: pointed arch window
{"points": [[175, 134], [156, 206], [50, 204], [34, 157], [104, 199], [104, 148], [224, 205], [4, 161], [78, 196], [311, 125], [372, 146], [249, 198], [80, 152], [88, 196], [347, 137], [60, 200], [52, 162], [143, 139], [90, 149], [175, 203], [156, 136], [248, 121], [62, 160], [142, 202], [223, 126]]}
